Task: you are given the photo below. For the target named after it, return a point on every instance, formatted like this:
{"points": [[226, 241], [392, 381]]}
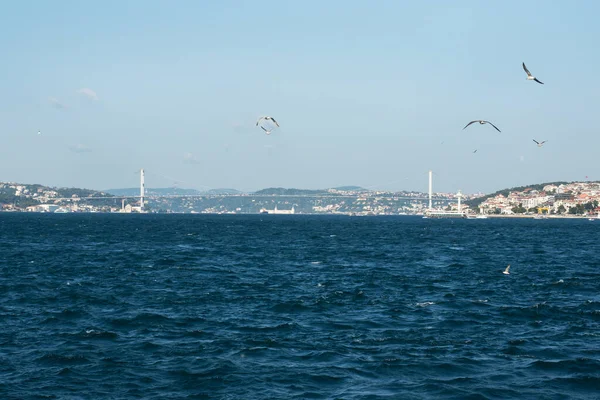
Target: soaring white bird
{"points": [[531, 77], [505, 272], [267, 118], [539, 144], [482, 122], [39, 132]]}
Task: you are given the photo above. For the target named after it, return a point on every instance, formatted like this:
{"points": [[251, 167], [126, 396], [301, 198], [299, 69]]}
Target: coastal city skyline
{"points": [[366, 96], [557, 199]]}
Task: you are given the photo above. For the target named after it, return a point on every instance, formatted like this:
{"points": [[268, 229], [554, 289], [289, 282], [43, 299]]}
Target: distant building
{"points": [[43, 208], [563, 196]]}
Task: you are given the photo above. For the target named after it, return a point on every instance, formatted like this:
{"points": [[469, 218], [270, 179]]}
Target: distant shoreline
{"points": [[569, 216], [489, 216]]}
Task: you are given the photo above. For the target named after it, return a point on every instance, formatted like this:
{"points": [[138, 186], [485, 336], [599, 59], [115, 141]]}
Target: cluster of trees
{"points": [[583, 208], [18, 201], [576, 210], [519, 209], [7, 196]]}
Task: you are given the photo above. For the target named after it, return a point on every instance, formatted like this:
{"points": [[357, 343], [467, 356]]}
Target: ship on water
{"points": [[444, 214], [277, 211]]}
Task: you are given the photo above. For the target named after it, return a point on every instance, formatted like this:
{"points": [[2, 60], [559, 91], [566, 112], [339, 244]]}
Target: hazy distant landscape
{"points": [[577, 198], [341, 200]]}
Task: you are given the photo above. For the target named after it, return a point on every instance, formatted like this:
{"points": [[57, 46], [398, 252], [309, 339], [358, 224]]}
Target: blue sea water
{"points": [[97, 306]]}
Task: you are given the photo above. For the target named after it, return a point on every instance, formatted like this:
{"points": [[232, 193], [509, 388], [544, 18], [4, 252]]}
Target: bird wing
{"points": [[544, 142], [273, 119], [488, 122], [475, 151], [263, 128], [526, 70], [536, 142], [507, 268], [536, 79], [472, 122], [260, 119]]}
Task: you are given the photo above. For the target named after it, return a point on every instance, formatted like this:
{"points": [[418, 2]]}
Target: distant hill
{"points": [[351, 189], [154, 192], [222, 191], [505, 192], [289, 192], [23, 194], [70, 192]]}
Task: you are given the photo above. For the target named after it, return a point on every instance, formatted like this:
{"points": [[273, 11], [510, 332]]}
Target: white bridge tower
{"points": [[430, 187], [142, 189]]}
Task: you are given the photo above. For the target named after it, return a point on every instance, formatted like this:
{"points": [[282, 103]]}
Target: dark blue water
{"points": [[278, 307]]}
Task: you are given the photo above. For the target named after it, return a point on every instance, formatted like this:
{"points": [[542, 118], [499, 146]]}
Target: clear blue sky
{"points": [[365, 93]]}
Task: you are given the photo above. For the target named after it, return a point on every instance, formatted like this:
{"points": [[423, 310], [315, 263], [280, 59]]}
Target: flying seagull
{"points": [[539, 144], [39, 132], [505, 272], [267, 118], [529, 76], [475, 151], [482, 122]]}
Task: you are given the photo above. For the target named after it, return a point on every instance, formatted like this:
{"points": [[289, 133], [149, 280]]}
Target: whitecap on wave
{"points": [[425, 304]]}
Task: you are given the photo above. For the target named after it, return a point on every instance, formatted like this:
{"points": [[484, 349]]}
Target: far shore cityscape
{"points": [[546, 200]]}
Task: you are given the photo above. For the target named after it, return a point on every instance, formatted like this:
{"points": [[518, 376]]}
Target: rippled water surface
{"points": [[279, 307]]}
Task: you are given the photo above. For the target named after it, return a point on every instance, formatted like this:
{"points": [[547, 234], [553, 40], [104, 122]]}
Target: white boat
{"points": [[593, 219], [480, 216], [444, 214]]}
